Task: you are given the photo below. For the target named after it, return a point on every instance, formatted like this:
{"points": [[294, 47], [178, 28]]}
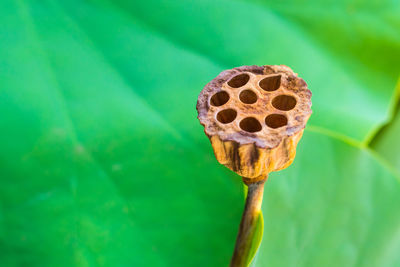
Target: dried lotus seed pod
{"points": [[254, 117]]}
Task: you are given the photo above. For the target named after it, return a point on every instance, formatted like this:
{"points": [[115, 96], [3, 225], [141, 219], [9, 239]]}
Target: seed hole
{"points": [[284, 102], [219, 98], [270, 83], [251, 125], [248, 97], [226, 115], [239, 80], [275, 120]]}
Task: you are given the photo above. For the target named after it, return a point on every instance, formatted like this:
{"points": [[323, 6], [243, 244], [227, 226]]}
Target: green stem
{"points": [[248, 223]]}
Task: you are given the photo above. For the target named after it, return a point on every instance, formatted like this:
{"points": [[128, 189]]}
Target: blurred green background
{"points": [[103, 162]]}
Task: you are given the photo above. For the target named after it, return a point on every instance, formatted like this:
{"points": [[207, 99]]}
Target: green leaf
{"points": [[337, 205], [91, 173], [103, 162], [256, 240], [348, 61], [387, 143]]}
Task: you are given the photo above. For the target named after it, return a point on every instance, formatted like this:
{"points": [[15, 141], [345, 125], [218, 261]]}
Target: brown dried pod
{"points": [[254, 117]]}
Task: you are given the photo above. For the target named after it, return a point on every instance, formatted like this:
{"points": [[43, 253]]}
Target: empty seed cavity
{"points": [[284, 102], [219, 98], [270, 83], [239, 80], [250, 124], [226, 116], [248, 97], [276, 120]]}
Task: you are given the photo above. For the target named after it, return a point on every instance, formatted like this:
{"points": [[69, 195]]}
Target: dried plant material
{"points": [[254, 117]]}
